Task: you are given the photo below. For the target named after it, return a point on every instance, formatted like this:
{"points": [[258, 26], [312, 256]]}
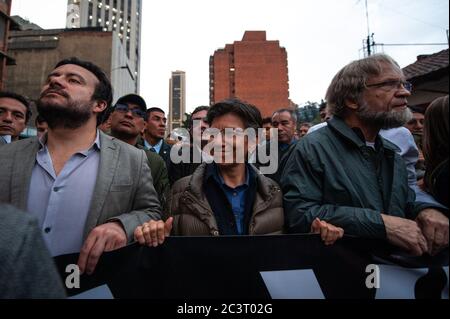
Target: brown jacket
{"points": [[193, 215]]}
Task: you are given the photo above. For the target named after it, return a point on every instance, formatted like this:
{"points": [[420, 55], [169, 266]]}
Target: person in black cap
{"points": [[128, 121], [128, 129]]}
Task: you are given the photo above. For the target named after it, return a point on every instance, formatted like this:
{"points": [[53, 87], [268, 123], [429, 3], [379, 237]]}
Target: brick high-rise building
{"points": [[254, 70], [120, 16], [177, 100]]}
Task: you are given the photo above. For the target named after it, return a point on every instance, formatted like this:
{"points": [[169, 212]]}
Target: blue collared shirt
{"points": [[284, 146], [61, 203], [236, 197], [6, 138], [156, 147]]}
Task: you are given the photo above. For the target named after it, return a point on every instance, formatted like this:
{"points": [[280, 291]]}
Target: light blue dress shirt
{"points": [[156, 147], [61, 203], [6, 138], [236, 197]]}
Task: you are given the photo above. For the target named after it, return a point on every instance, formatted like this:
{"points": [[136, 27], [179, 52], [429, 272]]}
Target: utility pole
{"points": [[369, 42], [368, 31]]}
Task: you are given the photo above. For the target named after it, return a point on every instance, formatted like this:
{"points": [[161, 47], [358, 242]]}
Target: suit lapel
{"points": [[164, 149], [24, 161], [109, 154]]}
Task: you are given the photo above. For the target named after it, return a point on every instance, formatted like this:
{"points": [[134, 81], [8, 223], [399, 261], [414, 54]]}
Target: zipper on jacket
{"points": [[194, 200]]}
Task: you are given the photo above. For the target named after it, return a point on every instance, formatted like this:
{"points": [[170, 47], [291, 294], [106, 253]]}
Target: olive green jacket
{"points": [[160, 176], [333, 175]]}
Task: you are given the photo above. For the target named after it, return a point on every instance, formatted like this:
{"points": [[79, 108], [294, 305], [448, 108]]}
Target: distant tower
{"points": [[121, 16], [177, 100], [254, 70]]}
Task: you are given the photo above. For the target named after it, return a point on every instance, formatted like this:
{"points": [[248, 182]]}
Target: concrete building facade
{"points": [[5, 23], [37, 51], [120, 16], [254, 70]]}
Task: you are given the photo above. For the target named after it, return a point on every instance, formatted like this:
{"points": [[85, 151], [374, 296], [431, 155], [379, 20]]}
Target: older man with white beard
{"points": [[347, 175]]}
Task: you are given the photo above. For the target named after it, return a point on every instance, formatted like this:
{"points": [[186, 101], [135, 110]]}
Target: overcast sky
{"points": [[320, 37]]}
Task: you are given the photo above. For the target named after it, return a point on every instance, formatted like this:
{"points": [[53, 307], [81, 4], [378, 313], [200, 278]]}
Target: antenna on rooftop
{"points": [[369, 43]]}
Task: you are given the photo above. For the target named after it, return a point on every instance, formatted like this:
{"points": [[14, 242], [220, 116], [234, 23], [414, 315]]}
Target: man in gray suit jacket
{"points": [[88, 191], [27, 271]]}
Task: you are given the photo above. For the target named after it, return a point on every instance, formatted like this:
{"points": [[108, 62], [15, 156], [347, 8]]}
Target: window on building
{"points": [[99, 14], [91, 10], [3, 24]]}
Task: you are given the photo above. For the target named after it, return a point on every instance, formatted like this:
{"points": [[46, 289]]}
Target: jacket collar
{"points": [[96, 145], [212, 171], [264, 188], [109, 158], [355, 135]]}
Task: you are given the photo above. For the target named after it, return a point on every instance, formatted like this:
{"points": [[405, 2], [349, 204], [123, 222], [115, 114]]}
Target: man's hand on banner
{"points": [[328, 232], [153, 232], [434, 226], [106, 237], [406, 234]]}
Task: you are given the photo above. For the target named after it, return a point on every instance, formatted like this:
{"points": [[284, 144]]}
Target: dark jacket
{"points": [[179, 170], [280, 158], [159, 175], [26, 270], [164, 152], [439, 187], [193, 215], [332, 174]]}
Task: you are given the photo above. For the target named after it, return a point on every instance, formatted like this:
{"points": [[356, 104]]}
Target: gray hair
{"points": [[291, 112], [348, 84]]}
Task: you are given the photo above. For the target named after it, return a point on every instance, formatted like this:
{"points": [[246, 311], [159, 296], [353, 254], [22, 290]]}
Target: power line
{"points": [[369, 45], [411, 17], [409, 44]]}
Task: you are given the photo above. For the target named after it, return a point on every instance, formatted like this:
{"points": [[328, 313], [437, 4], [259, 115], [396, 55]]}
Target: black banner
{"points": [[230, 267]]}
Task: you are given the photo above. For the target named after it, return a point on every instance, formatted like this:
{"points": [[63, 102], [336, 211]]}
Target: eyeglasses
{"points": [[122, 108], [392, 85]]}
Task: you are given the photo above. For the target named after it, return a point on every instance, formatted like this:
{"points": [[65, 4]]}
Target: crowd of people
{"points": [[100, 176]]}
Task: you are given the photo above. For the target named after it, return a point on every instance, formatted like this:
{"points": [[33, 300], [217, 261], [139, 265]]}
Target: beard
{"points": [[71, 115], [384, 120]]}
